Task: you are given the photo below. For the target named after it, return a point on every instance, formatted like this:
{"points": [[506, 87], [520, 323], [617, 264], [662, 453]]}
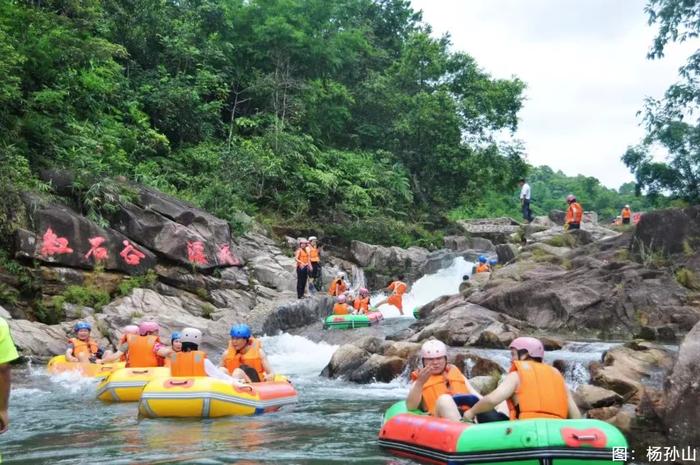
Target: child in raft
{"points": [[361, 302], [82, 348]]}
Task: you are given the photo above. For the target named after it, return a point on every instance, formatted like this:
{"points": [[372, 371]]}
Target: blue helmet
{"points": [[175, 336], [482, 258], [82, 325], [241, 331], [493, 261]]}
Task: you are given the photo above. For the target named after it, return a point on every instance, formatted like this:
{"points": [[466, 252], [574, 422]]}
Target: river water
{"points": [[58, 420]]}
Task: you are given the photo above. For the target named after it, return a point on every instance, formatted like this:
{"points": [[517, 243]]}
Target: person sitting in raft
{"points": [[244, 358], [341, 307], [175, 345], [574, 214], [532, 388], [190, 361], [482, 266], [398, 288], [338, 286], [361, 302], [118, 355], [145, 349], [82, 348], [438, 386]]}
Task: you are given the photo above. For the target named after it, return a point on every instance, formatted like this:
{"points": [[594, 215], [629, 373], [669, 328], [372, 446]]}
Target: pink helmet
{"points": [[571, 198], [342, 298], [364, 291], [130, 329], [533, 346], [433, 349], [146, 327]]}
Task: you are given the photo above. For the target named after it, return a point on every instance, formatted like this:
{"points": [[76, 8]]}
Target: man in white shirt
{"points": [[525, 200]]}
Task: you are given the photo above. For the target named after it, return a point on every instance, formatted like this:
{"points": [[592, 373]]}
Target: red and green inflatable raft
{"points": [[353, 321], [522, 442]]}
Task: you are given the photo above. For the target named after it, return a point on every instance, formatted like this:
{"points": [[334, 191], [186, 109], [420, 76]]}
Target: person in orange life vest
{"points": [[338, 286], [398, 288], [303, 266], [437, 382], [532, 388], [361, 302], [341, 307], [175, 345], [482, 266], [128, 329], [244, 358], [574, 215], [626, 214], [82, 348], [145, 349], [190, 361], [315, 258]]}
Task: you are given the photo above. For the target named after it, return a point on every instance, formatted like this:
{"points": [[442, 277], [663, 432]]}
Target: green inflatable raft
{"points": [[353, 321], [521, 442]]}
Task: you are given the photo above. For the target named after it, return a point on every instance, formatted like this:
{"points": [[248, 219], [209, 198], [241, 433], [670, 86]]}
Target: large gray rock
{"points": [[672, 231], [496, 230], [506, 253], [298, 313], [682, 391], [382, 264], [276, 272], [345, 360], [38, 339], [378, 368], [62, 236], [588, 397]]}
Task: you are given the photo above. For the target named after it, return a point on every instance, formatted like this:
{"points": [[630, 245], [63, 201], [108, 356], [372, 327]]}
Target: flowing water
{"points": [[58, 420]]}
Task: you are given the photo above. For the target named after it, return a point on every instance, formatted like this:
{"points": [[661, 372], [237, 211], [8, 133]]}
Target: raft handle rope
{"points": [[585, 437], [179, 383]]}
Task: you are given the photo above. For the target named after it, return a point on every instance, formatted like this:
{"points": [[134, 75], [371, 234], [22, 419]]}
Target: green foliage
{"points": [[49, 315], [208, 310], [133, 282], [84, 296], [8, 294], [687, 278]]}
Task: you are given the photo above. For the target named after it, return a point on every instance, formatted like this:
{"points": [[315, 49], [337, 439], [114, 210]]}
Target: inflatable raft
{"points": [[205, 397], [59, 364], [522, 442], [353, 321], [126, 384]]}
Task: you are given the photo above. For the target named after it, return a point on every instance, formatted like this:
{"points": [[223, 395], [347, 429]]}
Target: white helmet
{"points": [[433, 349], [312, 238], [627, 206], [192, 335]]}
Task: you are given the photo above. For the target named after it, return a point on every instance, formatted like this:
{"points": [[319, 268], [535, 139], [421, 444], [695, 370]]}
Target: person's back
{"points": [[8, 353]]}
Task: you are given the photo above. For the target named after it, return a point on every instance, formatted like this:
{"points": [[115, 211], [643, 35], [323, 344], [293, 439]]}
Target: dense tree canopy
{"points": [[672, 123]]}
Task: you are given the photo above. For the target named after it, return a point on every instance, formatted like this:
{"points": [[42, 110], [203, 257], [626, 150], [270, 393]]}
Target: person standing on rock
{"points": [[438, 387], [303, 265], [574, 214], [8, 353], [626, 214], [532, 388], [525, 197], [315, 259]]}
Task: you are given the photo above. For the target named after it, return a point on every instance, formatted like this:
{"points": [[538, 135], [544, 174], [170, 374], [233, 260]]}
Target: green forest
{"points": [[345, 118]]}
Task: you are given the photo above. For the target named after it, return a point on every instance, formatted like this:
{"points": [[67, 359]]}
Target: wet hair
{"points": [[524, 352], [521, 180], [189, 346], [465, 277], [560, 365], [400, 277]]}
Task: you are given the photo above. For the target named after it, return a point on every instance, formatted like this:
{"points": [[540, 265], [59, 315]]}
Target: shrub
{"points": [[134, 282], [87, 296], [687, 278]]}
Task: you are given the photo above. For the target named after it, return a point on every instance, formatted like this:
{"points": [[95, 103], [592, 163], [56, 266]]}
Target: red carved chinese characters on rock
{"points": [[96, 251], [52, 244], [195, 253], [131, 255], [225, 257]]}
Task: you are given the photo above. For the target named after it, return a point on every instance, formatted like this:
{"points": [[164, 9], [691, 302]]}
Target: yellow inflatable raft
{"points": [[59, 364], [126, 384], [205, 397]]}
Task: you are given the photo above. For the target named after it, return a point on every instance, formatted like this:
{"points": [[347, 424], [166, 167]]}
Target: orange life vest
{"points": [[451, 382], [361, 304], [252, 357], [483, 268], [140, 352], [626, 213], [188, 363], [575, 213], [398, 287], [302, 258], [337, 287], [341, 309], [314, 255], [541, 393], [79, 347]]}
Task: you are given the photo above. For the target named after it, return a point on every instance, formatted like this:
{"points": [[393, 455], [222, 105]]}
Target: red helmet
{"points": [[532, 345], [570, 198], [433, 349], [364, 291]]}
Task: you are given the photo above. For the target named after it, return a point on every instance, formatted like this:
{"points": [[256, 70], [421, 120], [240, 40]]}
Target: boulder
{"points": [[62, 236], [484, 384], [385, 262], [456, 243], [378, 368], [473, 365], [506, 253], [402, 349], [276, 272], [682, 392], [497, 230], [588, 397], [670, 231], [38, 339], [298, 313], [345, 360]]}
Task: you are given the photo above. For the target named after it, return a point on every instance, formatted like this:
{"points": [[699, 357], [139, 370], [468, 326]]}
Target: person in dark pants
{"points": [[303, 263], [315, 257], [525, 199]]}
